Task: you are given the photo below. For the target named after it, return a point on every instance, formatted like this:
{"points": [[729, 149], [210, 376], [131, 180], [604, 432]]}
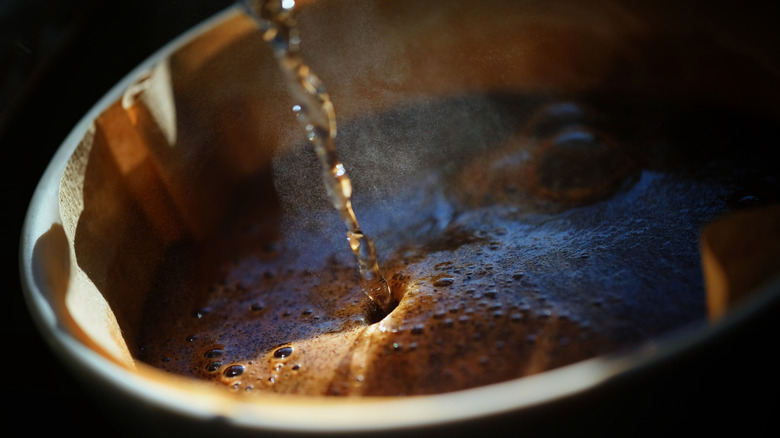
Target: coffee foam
{"points": [[487, 292]]}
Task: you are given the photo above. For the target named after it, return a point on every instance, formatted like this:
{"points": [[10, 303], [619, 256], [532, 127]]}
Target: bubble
{"points": [[200, 313], [192, 338], [233, 371], [213, 366], [443, 282], [256, 307], [442, 265], [283, 352], [417, 329], [214, 352]]}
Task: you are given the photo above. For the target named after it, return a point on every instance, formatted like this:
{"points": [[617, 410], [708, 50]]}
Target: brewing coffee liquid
{"points": [[315, 112]]}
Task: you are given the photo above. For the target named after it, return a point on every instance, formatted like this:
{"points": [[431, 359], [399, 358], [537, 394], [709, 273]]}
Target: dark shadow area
{"points": [[57, 58]]}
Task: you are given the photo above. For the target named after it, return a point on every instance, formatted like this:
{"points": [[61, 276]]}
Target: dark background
{"points": [[58, 57]]}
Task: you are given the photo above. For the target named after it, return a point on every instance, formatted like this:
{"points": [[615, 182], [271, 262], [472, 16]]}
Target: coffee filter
{"points": [[175, 147]]}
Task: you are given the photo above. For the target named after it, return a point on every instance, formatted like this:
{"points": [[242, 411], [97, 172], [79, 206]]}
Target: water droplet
{"points": [[283, 352], [233, 371]]}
